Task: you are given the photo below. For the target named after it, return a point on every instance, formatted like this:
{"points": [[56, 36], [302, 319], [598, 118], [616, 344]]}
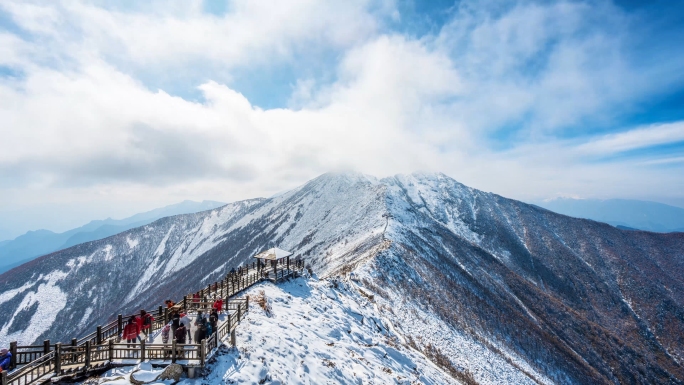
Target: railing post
{"points": [[87, 353], [3, 378], [239, 313], [58, 358], [142, 350], [228, 320], [46, 346], [247, 303], [216, 339], [202, 351], [74, 342], [13, 350], [98, 340], [166, 315], [185, 304], [111, 350], [232, 338], [119, 325], [173, 351]]}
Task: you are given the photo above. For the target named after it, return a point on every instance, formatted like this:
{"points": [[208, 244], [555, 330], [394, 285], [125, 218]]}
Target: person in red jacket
{"points": [[146, 322], [218, 305], [130, 332], [138, 324], [196, 300]]}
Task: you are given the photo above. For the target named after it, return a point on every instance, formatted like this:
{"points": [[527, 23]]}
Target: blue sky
{"points": [[108, 110]]}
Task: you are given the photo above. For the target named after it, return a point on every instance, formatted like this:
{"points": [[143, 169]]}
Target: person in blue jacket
{"points": [[5, 360]]}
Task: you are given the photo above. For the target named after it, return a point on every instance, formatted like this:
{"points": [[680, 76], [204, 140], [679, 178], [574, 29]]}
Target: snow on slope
{"points": [[421, 328], [41, 313], [317, 332]]}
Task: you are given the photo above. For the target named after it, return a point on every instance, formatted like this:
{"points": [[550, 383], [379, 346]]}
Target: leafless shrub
{"points": [[412, 343], [346, 269], [264, 303], [436, 356], [370, 297], [376, 289]]}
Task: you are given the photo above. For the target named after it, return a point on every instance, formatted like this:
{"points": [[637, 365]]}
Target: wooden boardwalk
{"points": [[102, 349]]}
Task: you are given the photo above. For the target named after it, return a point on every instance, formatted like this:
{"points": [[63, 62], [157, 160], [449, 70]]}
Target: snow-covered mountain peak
{"points": [[525, 285]]}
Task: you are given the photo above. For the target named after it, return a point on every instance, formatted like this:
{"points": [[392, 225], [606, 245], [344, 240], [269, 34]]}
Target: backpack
{"points": [[180, 334]]}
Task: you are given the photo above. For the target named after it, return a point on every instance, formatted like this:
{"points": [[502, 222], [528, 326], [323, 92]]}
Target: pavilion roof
{"points": [[273, 254]]}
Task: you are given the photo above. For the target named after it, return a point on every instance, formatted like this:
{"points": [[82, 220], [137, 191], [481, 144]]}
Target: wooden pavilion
{"points": [[274, 259]]}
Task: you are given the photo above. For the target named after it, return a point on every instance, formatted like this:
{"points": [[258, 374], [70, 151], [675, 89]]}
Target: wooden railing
{"points": [[31, 363]]}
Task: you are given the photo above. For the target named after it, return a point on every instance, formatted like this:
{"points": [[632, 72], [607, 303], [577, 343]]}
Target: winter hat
{"points": [[3, 351], [181, 324]]}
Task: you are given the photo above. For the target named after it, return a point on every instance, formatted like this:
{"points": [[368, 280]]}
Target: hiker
{"points": [[138, 324], [147, 320], [5, 360], [180, 338], [200, 319], [169, 304], [175, 323], [218, 305], [200, 333], [180, 334], [184, 319], [165, 338], [130, 332], [165, 333], [213, 322]]}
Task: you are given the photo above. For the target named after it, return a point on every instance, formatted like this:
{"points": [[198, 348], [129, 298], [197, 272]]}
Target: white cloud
{"points": [[81, 126], [641, 137]]}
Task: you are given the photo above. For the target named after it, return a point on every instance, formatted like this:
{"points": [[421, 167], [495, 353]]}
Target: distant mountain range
{"points": [[623, 213], [40, 242]]}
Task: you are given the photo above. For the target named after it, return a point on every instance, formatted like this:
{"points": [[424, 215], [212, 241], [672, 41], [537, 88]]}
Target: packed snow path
{"points": [[102, 349]]}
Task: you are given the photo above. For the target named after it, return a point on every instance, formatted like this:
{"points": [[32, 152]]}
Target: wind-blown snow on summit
{"points": [[462, 273]]}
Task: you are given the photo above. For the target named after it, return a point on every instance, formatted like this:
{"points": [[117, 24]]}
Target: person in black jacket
{"points": [[200, 333], [180, 338], [213, 322], [175, 323]]}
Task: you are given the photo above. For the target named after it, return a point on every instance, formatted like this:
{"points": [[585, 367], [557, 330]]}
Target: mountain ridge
{"points": [[553, 298]]}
